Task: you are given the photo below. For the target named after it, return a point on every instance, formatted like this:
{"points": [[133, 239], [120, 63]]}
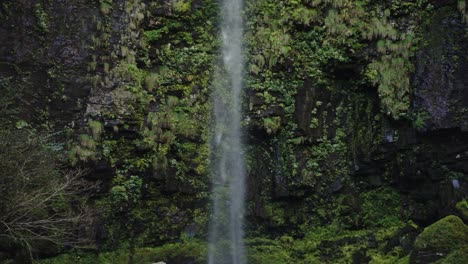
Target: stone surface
{"points": [[439, 239], [441, 95]]}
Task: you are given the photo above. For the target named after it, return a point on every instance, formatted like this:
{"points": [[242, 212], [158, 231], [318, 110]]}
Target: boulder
{"points": [[439, 240]]}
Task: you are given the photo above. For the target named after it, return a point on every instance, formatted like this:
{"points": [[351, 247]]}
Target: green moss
{"points": [[190, 250], [381, 207], [275, 213], [462, 208], [181, 6], [266, 251], [42, 18], [69, 259], [440, 238], [404, 260], [193, 251], [456, 257], [130, 72]]}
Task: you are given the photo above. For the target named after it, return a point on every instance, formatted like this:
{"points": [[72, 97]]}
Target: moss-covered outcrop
{"points": [[462, 208], [457, 256], [439, 240]]}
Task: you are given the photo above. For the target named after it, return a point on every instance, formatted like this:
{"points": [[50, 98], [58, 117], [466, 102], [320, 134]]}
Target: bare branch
{"points": [[37, 196]]}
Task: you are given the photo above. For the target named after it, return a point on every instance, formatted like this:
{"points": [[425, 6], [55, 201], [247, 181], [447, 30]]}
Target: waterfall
{"points": [[227, 161]]}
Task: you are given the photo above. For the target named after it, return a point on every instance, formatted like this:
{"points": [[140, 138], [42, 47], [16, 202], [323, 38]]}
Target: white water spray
{"points": [[227, 160]]}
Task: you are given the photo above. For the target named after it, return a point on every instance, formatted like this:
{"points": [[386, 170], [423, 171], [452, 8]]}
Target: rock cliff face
{"points": [[440, 79], [44, 52], [339, 116]]}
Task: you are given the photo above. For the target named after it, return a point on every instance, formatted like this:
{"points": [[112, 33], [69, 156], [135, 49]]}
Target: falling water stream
{"points": [[228, 166]]}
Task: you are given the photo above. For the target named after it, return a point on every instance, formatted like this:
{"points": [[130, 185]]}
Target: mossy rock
{"points": [[456, 257], [439, 239], [462, 208], [189, 251]]}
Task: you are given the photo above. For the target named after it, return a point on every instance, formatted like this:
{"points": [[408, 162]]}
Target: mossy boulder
{"points": [[439, 240], [462, 208], [457, 256]]}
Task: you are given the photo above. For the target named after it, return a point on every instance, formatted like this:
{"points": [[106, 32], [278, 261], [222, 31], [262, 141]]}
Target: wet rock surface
{"points": [[441, 95]]}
